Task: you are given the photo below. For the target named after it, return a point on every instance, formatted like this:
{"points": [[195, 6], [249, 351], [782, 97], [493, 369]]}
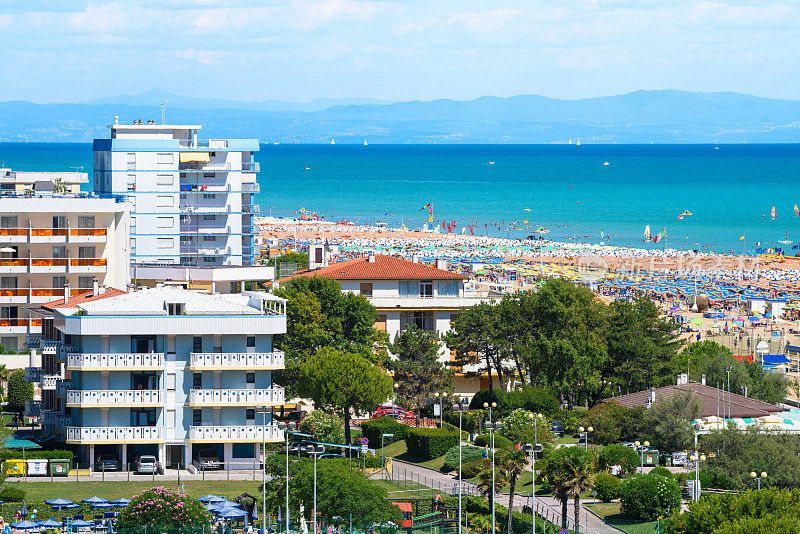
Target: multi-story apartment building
{"points": [[404, 293], [166, 371], [192, 198], [52, 240]]}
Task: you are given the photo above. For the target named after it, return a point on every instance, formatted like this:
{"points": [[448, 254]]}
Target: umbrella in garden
{"points": [[49, 523], [94, 500], [121, 503], [58, 503], [104, 505], [218, 507], [211, 499], [25, 525], [232, 513], [80, 523]]}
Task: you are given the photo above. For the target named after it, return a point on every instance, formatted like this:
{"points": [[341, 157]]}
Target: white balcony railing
{"points": [[133, 361], [114, 397], [235, 433], [244, 397], [49, 382], [97, 434], [236, 360]]}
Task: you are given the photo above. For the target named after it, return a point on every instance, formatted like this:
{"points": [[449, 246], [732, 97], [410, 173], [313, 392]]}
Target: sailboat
{"points": [[333, 141], [365, 142], [786, 240], [579, 142], [796, 211], [772, 213], [647, 232]]}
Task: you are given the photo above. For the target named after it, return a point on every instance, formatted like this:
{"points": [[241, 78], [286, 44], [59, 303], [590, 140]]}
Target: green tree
{"points": [[642, 345], [417, 370], [670, 419], [473, 337], [299, 258], [520, 428], [570, 471], [19, 391], [325, 427], [343, 383]]}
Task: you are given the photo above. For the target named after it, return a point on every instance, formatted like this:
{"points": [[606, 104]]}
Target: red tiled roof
{"points": [[740, 405], [75, 300], [383, 268]]}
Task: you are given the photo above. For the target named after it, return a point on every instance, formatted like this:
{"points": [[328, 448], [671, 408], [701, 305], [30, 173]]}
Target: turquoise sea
{"points": [[729, 189]]}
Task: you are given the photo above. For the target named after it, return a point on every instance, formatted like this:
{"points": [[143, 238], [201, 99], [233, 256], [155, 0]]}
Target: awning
{"points": [[774, 359], [186, 157], [17, 443]]}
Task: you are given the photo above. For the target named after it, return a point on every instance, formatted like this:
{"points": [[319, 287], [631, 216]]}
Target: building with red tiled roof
{"points": [[88, 296], [407, 292]]}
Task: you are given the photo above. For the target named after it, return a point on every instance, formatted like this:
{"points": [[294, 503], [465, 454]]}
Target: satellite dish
{"points": [[762, 346]]}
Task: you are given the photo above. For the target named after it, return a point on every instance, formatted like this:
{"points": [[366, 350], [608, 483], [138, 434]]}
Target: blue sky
{"points": [[298, 50]]}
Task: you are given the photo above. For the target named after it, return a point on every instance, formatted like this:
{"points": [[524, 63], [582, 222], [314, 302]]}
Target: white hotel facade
{"points": [[166, 371], [192, 199]]}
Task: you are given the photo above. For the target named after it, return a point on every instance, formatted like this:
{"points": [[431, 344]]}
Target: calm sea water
{"points": [[729, 190]]}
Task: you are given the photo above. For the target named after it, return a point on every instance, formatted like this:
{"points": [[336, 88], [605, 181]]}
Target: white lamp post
{"points": [[535, 419], [491, 428], [460, 407], [585, 433], [697, 459], [490, 406], [642, 447], [755, 476], [441, 396], [287, 429], [316, 450]]}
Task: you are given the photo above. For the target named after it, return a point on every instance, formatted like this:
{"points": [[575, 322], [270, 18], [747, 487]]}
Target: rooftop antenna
{"points": [[164, 111]]}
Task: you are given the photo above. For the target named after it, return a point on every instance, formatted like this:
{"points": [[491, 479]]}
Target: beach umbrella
{"points": [[80, 523], [104, 505], [25, 525], [58, 503], [94, 500], [121, 503], [211, 499], [49, 523], [232, 513]]}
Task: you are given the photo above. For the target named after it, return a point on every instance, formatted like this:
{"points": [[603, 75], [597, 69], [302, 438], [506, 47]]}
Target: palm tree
{"points": [[511, 463], [570, 471]]}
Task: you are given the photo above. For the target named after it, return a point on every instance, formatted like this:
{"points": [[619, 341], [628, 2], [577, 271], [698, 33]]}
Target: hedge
{"points": [[468, 454], [500, 442], [36, 455], [648, 497], [373, 429], [607, 487], [429, 443]]}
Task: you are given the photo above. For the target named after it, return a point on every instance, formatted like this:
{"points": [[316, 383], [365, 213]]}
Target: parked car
{"points": [[395, 412], [208, 458], [295, 416], [106, 462], [146, 464], [679, 458], [557, 428]]}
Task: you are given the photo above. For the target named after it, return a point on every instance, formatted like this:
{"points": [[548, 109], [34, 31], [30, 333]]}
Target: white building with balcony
{"points": [[168, 372], [52, 242], [408, 292], [192, 198]]}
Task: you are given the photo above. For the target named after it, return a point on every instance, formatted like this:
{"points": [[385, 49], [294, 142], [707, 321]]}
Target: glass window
{"points": [[86, 221], [197, 417], [60, 281], [251, 341], [425, 288], [59, 221], [59, 251], [197, 380], [366, 289], [143, 417], [8, 221], [86, 252], [10, 282], [197, 344], [250, 414], [250, 378], [85, 282]]}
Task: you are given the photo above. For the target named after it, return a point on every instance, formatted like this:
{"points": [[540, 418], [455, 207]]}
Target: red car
{"points": [[395, 412]]}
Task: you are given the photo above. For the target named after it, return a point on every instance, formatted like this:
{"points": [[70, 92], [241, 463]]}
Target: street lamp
{"points": [[755, 476], [490, 406], [287, 429], [315, 450], [585, 433], [394, 393], [535, 418], [383, 458], [491, 428], [697, 459], [441, 396], [641, 447], [460, 407]]}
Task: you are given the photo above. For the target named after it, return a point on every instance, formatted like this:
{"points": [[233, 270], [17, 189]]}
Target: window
{"points": [[10, 282], [59, 281], [366, 289], [250, 378], [197, 344], [217, 349], [165, 222], [85, 282], [448, 288], [425, 288], [164, 158], [60, 251], [9, 342], [86, 252], [9, 221], [209, 217], [131, 157], [421, 319], [165, 179], [174, 308], [408, 288], [85, 221], [197, 417], [143, 417], [165, 242], [209, 175], [251, 341], [59, 221], [209, 259], [165, 201], [250, 414], [209, 238], [171, 381], [209, 196], [197, 380]]}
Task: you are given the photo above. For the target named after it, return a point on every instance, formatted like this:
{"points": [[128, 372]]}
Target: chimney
{"points": [[66, 292], [652, 394], [703, 379], [95, 287], [415, 258], [441, 264], [371, 258]]}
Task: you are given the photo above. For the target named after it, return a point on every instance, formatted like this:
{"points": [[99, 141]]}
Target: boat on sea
{"points": [[772, 213], [365, 142], [333, 141], [796, 211], [606, 164], [579, 142]]}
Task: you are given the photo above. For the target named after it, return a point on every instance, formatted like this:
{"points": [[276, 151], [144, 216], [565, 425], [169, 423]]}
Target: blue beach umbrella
{"points": [[25, 525], [232, 513], [213, 499], [49, 523], [94, 500], [80, 523], [58, 503], [121, 503], [104, 505]]}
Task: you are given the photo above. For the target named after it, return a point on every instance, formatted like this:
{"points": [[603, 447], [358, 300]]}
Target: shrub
{"points": [[10, 494], [663, 471], [648, 497], [536, 399], [468, 454], [568, 419], [621, 455], [518, 427], [604, 419], [471, 469], [500, 442], [35, 455], [499, 396], [607, 487], [325, 427], [453, 428], [429, 443], [19, 390], [470, 421], [373, 429], [162, 508]]}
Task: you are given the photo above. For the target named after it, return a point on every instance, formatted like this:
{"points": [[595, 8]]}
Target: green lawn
{"points": [[399, 450], [75, 491], [567, 440], [610, 511]]}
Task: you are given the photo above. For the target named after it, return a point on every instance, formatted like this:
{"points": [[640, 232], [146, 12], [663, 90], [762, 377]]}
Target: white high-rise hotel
{"points": [[192, 199]]}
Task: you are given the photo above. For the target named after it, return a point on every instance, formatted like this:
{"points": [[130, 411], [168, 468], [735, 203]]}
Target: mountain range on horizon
{"points": [[664, 116]]}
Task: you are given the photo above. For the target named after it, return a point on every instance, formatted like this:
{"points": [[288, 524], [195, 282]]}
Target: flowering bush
{"points": [[163, 508], [649, 496]]}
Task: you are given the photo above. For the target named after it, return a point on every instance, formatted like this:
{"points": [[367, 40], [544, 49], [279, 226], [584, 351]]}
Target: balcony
{"points": [[147, 398], [32, 408], [253, 433], [114, 434], [88, 235], [205, 209], [236, 361], [49, 382], [20, 326], [251, 188], [208, 144], [55, 419], [32, 295], [223, 230], [14, 235], [62, 387], [250, 166], [236, 397], [87, 265], [115, 361], [33, 374]]}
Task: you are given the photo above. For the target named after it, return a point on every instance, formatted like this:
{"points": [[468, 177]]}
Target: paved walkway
{"points": [[449, 484]]}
